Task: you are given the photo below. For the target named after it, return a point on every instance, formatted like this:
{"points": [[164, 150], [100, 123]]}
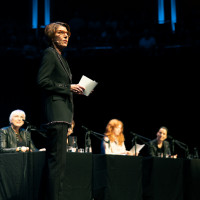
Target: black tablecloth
{"points": [[12, 176], [192, 180], [162, 179], [78, 181], [117, 177], [101, 177]]}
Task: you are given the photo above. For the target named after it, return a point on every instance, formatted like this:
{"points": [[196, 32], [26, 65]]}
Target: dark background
{"points": [[145, 90]]}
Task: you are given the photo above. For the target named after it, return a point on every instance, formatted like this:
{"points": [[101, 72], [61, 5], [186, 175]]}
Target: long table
{"points": [[101, 177]]}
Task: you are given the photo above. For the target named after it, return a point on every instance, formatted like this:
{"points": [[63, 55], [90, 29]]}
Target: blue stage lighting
{"points": [[47, 12], [161, 12], [173, 14], [34, 14]]}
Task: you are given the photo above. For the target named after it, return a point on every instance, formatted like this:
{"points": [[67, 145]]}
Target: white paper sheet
{"points": [[138, 148], [88, 84]]}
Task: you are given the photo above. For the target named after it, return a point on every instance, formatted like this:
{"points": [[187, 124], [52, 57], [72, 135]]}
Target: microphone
{"points": [[57, 41], [26, 122], [133, 133], [85, 128], [170, 137], [88, 130]]}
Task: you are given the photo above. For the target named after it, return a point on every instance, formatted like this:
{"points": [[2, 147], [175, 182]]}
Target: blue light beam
{"points": [[46, 12], [34, 14], [161, 12], [173, 14]]}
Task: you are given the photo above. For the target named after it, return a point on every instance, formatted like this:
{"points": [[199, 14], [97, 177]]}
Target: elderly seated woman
{"points": [[14, 138]]}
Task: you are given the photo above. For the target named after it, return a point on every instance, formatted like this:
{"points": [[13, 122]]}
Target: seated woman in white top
{"points": [[114, 139]]}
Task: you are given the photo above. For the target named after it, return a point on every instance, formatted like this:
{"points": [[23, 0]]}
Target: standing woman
{"points": [[55, 82]]}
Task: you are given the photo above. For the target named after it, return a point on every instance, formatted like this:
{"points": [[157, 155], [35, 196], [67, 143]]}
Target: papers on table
{"points": [[138, 148], [88, 84]]}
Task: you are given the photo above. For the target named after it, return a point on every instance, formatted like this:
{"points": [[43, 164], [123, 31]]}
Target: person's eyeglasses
{"points": [[63, 33]]}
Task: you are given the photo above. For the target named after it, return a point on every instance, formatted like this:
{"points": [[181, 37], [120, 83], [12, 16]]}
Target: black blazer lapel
{"points": [[64, 67]]}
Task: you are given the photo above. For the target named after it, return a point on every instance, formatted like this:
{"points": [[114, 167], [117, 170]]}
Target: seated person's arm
{"points": [[106, 146], [151, 151], [3, 143]]}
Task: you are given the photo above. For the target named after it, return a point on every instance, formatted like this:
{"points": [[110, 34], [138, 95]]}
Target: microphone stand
{"points": [[181, 145], [173, 146], [88, 142], [184, 147], [88, 139], [28, 137], [28, 167], [31, 128], [134, 140], [141, 138], [196, 154]]}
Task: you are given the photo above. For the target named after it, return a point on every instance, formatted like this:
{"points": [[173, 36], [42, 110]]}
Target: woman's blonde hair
{"points": [[110, 130]]}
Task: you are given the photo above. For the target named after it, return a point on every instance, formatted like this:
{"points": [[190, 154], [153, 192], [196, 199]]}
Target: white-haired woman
{"points": [[14, 138]]}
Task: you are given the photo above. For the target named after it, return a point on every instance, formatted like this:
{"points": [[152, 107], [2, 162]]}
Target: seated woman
{"points": [[71, 141], [70, 131], [114, 139], [14, 138], [159, 147]]}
